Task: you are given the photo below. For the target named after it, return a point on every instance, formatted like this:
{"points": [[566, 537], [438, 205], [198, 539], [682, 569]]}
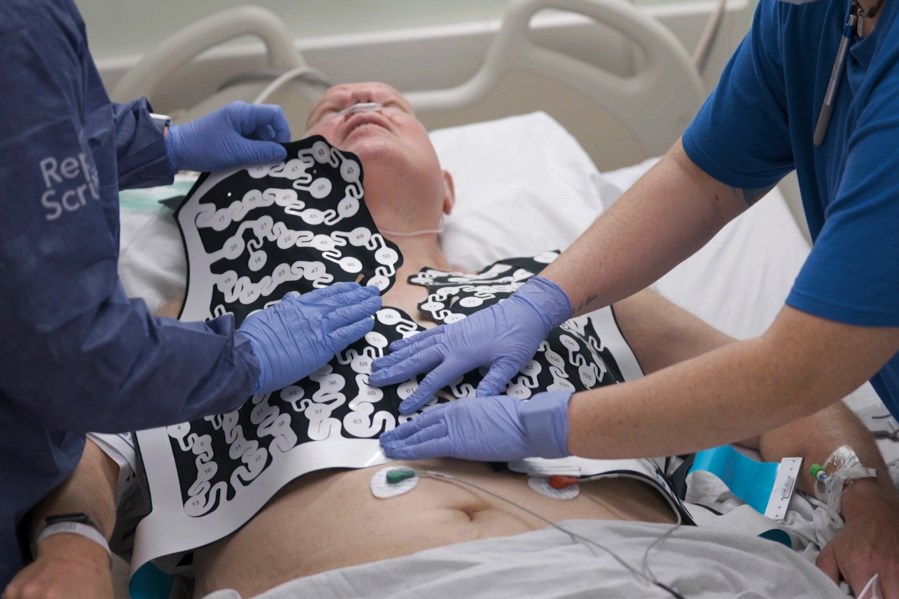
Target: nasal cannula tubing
{"points": [[440, 227], [871, 586], [361, 107]]}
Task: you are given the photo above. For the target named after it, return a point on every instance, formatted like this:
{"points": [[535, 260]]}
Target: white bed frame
{"points": [[608, 71], [647, 108]]}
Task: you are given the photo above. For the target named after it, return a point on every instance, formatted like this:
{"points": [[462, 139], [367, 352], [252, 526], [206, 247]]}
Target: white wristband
{"points": [[84, 530], [161, 120]]}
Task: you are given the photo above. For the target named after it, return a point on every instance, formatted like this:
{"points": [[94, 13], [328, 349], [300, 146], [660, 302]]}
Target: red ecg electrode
{"points": [[557, 481]]}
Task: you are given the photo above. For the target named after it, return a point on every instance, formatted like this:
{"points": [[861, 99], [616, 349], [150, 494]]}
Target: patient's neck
{"points": [[421, 251]]}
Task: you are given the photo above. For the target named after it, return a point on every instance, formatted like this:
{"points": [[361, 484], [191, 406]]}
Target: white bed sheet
{"points": [[699, 562]]}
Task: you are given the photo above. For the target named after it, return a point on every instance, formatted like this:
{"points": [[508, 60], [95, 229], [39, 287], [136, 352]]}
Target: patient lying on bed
{"points": [[328, 520]]}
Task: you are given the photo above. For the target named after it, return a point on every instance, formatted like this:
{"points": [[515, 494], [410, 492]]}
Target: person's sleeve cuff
{"points": [[545, 420]]}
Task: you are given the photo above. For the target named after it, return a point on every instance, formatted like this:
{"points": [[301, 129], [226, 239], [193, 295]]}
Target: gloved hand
{"points": [[488, 429], [505, 336], [302, 333], [234, 135]]}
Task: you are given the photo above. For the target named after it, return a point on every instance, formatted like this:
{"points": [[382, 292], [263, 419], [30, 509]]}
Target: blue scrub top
{"points": [[76, 354], [758, 125]]}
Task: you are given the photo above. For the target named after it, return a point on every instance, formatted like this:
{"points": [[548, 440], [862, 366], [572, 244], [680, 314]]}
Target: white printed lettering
{"points": [[56, 172], [70, 167], [48, 168], [76, 196], [50, 204]]}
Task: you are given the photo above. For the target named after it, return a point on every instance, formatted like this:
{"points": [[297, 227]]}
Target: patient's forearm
{"points": [[66, 564], [662, 333], [90, 489], [815, 437]]}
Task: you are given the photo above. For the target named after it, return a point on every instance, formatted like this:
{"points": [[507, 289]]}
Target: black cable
{"points": [[674, 593]]}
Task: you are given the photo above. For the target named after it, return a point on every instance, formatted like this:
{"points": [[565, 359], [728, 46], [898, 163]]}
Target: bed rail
{"points": [[654, 103]]}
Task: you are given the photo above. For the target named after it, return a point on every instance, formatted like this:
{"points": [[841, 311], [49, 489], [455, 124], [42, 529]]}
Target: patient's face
{"points": [[396, 152]]}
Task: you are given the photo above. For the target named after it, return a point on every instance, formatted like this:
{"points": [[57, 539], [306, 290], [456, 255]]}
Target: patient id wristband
{"points": [[78, 524]]}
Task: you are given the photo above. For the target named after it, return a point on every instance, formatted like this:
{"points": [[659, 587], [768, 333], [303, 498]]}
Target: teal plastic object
{"points": [[148, 199], [149, 582], [748, 479]]}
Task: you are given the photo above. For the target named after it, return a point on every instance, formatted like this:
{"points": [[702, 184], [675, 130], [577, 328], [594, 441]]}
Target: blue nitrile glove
{"points": [[302, 333], [504, 336], [235, 135], [487, 429]]}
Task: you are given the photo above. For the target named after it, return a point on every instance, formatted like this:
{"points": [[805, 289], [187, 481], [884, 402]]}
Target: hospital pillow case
{"points": [[524, 185]]}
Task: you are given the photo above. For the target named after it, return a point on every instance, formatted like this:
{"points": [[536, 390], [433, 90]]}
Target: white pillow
{"points": [[740, 279], [523, 186]]}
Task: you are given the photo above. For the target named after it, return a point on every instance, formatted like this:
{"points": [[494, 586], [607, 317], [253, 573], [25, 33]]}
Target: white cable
{"points": [[295, 73], [708, 36], [871, 586], [575, 536]]}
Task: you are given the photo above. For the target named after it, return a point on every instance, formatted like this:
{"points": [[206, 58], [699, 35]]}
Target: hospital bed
{"points": [[522, 164], [526, 67]]}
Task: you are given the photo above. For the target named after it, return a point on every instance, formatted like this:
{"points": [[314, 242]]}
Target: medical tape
{"points": [[766, 486], [840, 469], [384, 486], [545, 487]]}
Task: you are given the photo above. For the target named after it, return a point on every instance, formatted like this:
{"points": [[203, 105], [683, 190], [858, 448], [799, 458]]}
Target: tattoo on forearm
{"points": [[587, 301]]}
